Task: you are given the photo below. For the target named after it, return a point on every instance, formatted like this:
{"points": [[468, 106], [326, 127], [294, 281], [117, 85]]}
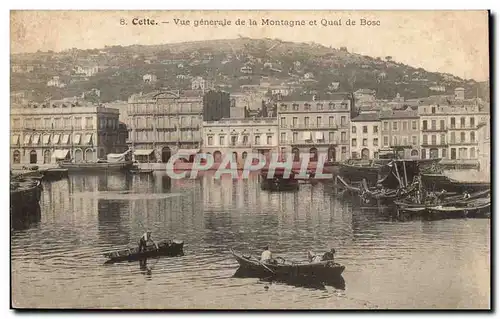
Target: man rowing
{"points": [[145, 239]]}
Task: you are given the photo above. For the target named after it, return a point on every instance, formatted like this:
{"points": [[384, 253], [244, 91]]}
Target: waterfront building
{"points": [[365, 136], [400, 129], [65, 129], [240, 137], [484, 146], [315, 126]]}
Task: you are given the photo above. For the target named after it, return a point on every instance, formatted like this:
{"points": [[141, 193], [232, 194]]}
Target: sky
{"points": [[453, 42]]}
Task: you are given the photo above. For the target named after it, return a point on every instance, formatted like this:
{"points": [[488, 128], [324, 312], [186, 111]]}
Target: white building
{"points": [[56, 82], [149, 78], [365, 136]]}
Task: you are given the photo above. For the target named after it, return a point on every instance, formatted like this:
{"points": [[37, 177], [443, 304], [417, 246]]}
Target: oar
{"points": [[264, 265]]}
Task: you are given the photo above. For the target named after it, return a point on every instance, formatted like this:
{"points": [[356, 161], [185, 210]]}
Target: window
{"points": [[443, 139], [233, 140], [365, 142], [354, 142], [473, 137], [472, 153], [353, 129], [386, 126], [343, 150], [365, 129], [343, 136], [424, 124], [375, 129], [375, 142], [414, 125], [319, 121], [306, 121], [269, 140], [283, 122], [414, 140], [245, 139], [78, 123], [331, 136], [472, 122], [257, 140], [294, 122], [453, 153], [424, 140], [462, 137], [462, 122], [331, 121], [343, 120], [394, 126], [433, 110], [405, 140], [386, 140], [283, 137], [210, 140], [394, 140], [452, 137], [433, 124], [221, 140], [294, 137], [424, 153], [354, 155], [441, 125], [443, 153], [405, 125], [452, 124], [433, 139], [88, 122]]}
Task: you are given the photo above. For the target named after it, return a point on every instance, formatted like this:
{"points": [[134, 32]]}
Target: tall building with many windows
{"points": [[365, 136], [316, 126], [66, 129]]}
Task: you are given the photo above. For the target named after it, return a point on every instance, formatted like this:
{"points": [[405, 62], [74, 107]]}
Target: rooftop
{"points": [[366, 117], [395, 114]]}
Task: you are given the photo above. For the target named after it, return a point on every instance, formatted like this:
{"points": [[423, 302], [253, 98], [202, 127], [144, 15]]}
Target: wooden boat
{"points": [[476, 209], [141, 171], [96, 166], [439, 182], [444, 201], [319, 270], [165, 248]]}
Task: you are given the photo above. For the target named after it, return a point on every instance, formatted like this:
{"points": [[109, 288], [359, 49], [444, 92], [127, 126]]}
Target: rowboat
{"points": [[323, 270], [476, 209], [165, 248]]}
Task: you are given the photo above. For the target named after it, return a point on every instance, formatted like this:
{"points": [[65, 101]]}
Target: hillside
{"points": [[308, 66]]}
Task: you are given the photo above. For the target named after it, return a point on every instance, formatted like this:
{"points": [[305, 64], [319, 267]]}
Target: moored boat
{"points": [[477, 209], [278, 182], [165, 248], [96, 166]]}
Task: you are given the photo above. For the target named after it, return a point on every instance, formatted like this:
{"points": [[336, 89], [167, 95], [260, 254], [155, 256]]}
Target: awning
{"points": [[46, 139], [60, 154], [77, 139], [15, 139], [36, 139], [306, 135], [55, 140], [88, 139], [65, 139], [27, 139], [143, 152], [188, 151], [320, 136]]}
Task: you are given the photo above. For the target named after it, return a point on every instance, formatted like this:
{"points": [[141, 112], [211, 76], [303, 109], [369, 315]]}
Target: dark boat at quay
{"points": [[278, 182], [321, 271], [165, 248]]}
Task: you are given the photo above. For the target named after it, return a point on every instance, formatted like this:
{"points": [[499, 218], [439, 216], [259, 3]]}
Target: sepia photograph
{"points": [[237, 160]]}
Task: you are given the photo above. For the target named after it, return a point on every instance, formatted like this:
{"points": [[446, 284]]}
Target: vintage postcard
{"points": [[250, 160]]}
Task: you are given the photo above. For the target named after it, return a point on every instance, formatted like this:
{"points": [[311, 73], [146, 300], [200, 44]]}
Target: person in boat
{"points": [[266, 256], [145, 239], [466, 195], [329, 255]]}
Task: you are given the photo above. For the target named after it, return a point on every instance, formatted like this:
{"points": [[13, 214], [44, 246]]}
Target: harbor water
{"points": [[57, 261]]}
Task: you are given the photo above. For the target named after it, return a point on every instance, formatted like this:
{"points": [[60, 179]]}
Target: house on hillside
{"points": [[56, 82], [88, 69], [149, 78], [246, 69]]}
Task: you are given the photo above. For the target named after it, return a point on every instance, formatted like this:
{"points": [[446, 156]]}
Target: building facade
{"points": [[239, 137], [315, 126], [67, 129], [161, 123], [401, 130], [484, 147], [365, 136]]}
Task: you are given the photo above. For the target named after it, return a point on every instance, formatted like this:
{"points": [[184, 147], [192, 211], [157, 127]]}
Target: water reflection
{"points": [[22, 219]]}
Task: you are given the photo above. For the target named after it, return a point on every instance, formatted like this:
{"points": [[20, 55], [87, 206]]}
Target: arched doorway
{"points": [[33, 157], [434, 153], [332, 155], [46, 157], [414, 153], [166, 153], [365, 154], [217, 157], [16, 157], [244, 155], [296, 154], [89, 155], [313, 154], [78, 155]]}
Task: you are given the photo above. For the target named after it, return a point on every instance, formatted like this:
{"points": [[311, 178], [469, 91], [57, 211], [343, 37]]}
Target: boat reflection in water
{"points": [[25, 218], [336, 282]]}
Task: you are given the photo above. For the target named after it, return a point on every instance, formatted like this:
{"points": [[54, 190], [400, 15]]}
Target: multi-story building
{"points": [[316, 126], [240, 137], [365, 136], [66, 129], [484, 146], [161, 123], [400, 130], [451, 131]]}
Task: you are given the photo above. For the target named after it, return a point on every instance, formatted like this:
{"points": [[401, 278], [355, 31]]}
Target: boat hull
{"points": [[166, 248], [84, 167]]}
